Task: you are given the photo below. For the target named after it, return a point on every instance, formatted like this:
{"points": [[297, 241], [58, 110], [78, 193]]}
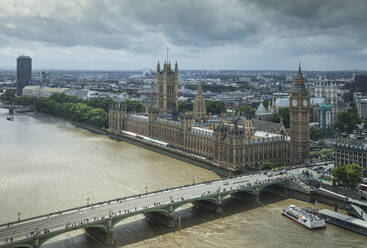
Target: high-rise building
{"points": [[362, 108], [45, 79], [167, 89], [361, 82], [24, 73], [299, 103]]}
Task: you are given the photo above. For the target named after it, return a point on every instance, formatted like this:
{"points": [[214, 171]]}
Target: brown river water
{"points": [[47, 165]]}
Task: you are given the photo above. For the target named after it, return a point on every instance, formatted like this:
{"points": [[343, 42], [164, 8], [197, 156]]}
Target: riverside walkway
{"points": [[98, 219]]}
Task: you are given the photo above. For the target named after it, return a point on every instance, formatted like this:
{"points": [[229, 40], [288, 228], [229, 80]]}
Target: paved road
{"points": [[97, 212]]}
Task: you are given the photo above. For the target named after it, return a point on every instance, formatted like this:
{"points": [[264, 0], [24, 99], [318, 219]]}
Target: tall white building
{"points": [[327, 89]]}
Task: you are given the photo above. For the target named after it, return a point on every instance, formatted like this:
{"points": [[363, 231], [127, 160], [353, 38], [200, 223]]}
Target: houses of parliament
{"points": [[232, 142]]}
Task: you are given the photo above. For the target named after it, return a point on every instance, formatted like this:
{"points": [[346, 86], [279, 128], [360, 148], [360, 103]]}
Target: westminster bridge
{"points": [[12, 107], [98, 219]]}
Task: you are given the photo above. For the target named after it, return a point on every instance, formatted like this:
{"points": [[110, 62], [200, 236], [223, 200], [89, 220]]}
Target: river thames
{"points": [[48, 165]]}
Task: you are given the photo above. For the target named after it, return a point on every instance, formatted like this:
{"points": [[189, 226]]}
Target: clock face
{"points": [[294, 103], [305, 103]]}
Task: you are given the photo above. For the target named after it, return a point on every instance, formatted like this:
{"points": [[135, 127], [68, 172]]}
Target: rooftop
{"points": [[350, 142], [44, 89]]}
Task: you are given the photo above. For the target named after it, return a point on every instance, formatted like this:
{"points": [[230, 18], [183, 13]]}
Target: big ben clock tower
{"points": [[299, 103]]}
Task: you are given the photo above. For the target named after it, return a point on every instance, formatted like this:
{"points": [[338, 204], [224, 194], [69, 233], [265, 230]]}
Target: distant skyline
{"points": [[203, 34]]}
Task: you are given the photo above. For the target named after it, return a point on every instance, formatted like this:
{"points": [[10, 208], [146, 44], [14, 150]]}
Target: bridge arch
{"points": [[44, 238], [257, 189], [22, 246], [163, 210]]}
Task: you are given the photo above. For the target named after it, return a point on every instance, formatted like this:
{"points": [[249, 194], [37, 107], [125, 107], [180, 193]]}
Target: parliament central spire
{"points": [[167, 88]]}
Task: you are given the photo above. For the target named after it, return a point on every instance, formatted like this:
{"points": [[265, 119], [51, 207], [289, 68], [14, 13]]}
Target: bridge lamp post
{"points": [[88, 199], [19, 214], [146, 189]]}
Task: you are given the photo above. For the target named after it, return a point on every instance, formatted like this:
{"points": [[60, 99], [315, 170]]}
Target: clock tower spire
{"points": [[299, 132]]}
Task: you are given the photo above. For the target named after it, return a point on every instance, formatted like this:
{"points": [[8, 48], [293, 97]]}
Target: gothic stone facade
{"points": [[224, 143], [299, 120], [167, 88]]}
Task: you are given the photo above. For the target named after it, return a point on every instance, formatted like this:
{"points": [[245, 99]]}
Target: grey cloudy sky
{"points": [[201, 34]]}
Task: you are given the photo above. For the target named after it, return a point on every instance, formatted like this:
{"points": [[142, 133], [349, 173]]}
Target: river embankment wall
{"points": [[167, 151], [174, 153], [313, 195]]}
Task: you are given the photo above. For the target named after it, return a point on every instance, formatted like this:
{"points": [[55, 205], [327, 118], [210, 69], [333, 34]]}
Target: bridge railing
{"points": [[56, 213]]}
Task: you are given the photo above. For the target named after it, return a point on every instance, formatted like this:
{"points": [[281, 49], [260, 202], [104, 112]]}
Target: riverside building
{"points": [[230, 142], [349, 151]]}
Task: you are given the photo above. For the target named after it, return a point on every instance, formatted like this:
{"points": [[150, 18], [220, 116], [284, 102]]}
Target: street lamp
{"points": [[146, 189], [88, 199], [19, 214]]}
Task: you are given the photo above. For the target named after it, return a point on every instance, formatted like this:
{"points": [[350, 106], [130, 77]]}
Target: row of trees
{"points": [[349, 175], [270, 166], [78, 112], [317, 134], [323, 154], [67, 107], [93, 111]]}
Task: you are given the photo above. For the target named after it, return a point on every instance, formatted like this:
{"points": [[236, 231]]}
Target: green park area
{"points": [[92, 111]]}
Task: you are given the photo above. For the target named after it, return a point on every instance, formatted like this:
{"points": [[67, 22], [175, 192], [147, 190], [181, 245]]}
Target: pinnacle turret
{"points": [[199, 90], [299, 74]]}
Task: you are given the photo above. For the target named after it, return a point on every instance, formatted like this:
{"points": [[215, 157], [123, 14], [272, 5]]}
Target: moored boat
{"points": [[303, 217]]}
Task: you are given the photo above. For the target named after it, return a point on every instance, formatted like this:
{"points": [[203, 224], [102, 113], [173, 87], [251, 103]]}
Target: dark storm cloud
{"points": [[278, 28], [126, 24]]}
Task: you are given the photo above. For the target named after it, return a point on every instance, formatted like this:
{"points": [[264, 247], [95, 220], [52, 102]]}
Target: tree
{"points": [[285, 114], [215, 107], [134, 106], [329, 132], [266, 166], [100, 103], [315, 133], [8, 96], [79, 112], [323, 154], [326, 154], [269, 166], [247, 111], [184, 106], [346, 121], [24, 100], [348, 175], [97, 117]]}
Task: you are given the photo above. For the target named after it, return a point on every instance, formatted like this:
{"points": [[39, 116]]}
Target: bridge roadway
{"points": [[92, 215]]}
